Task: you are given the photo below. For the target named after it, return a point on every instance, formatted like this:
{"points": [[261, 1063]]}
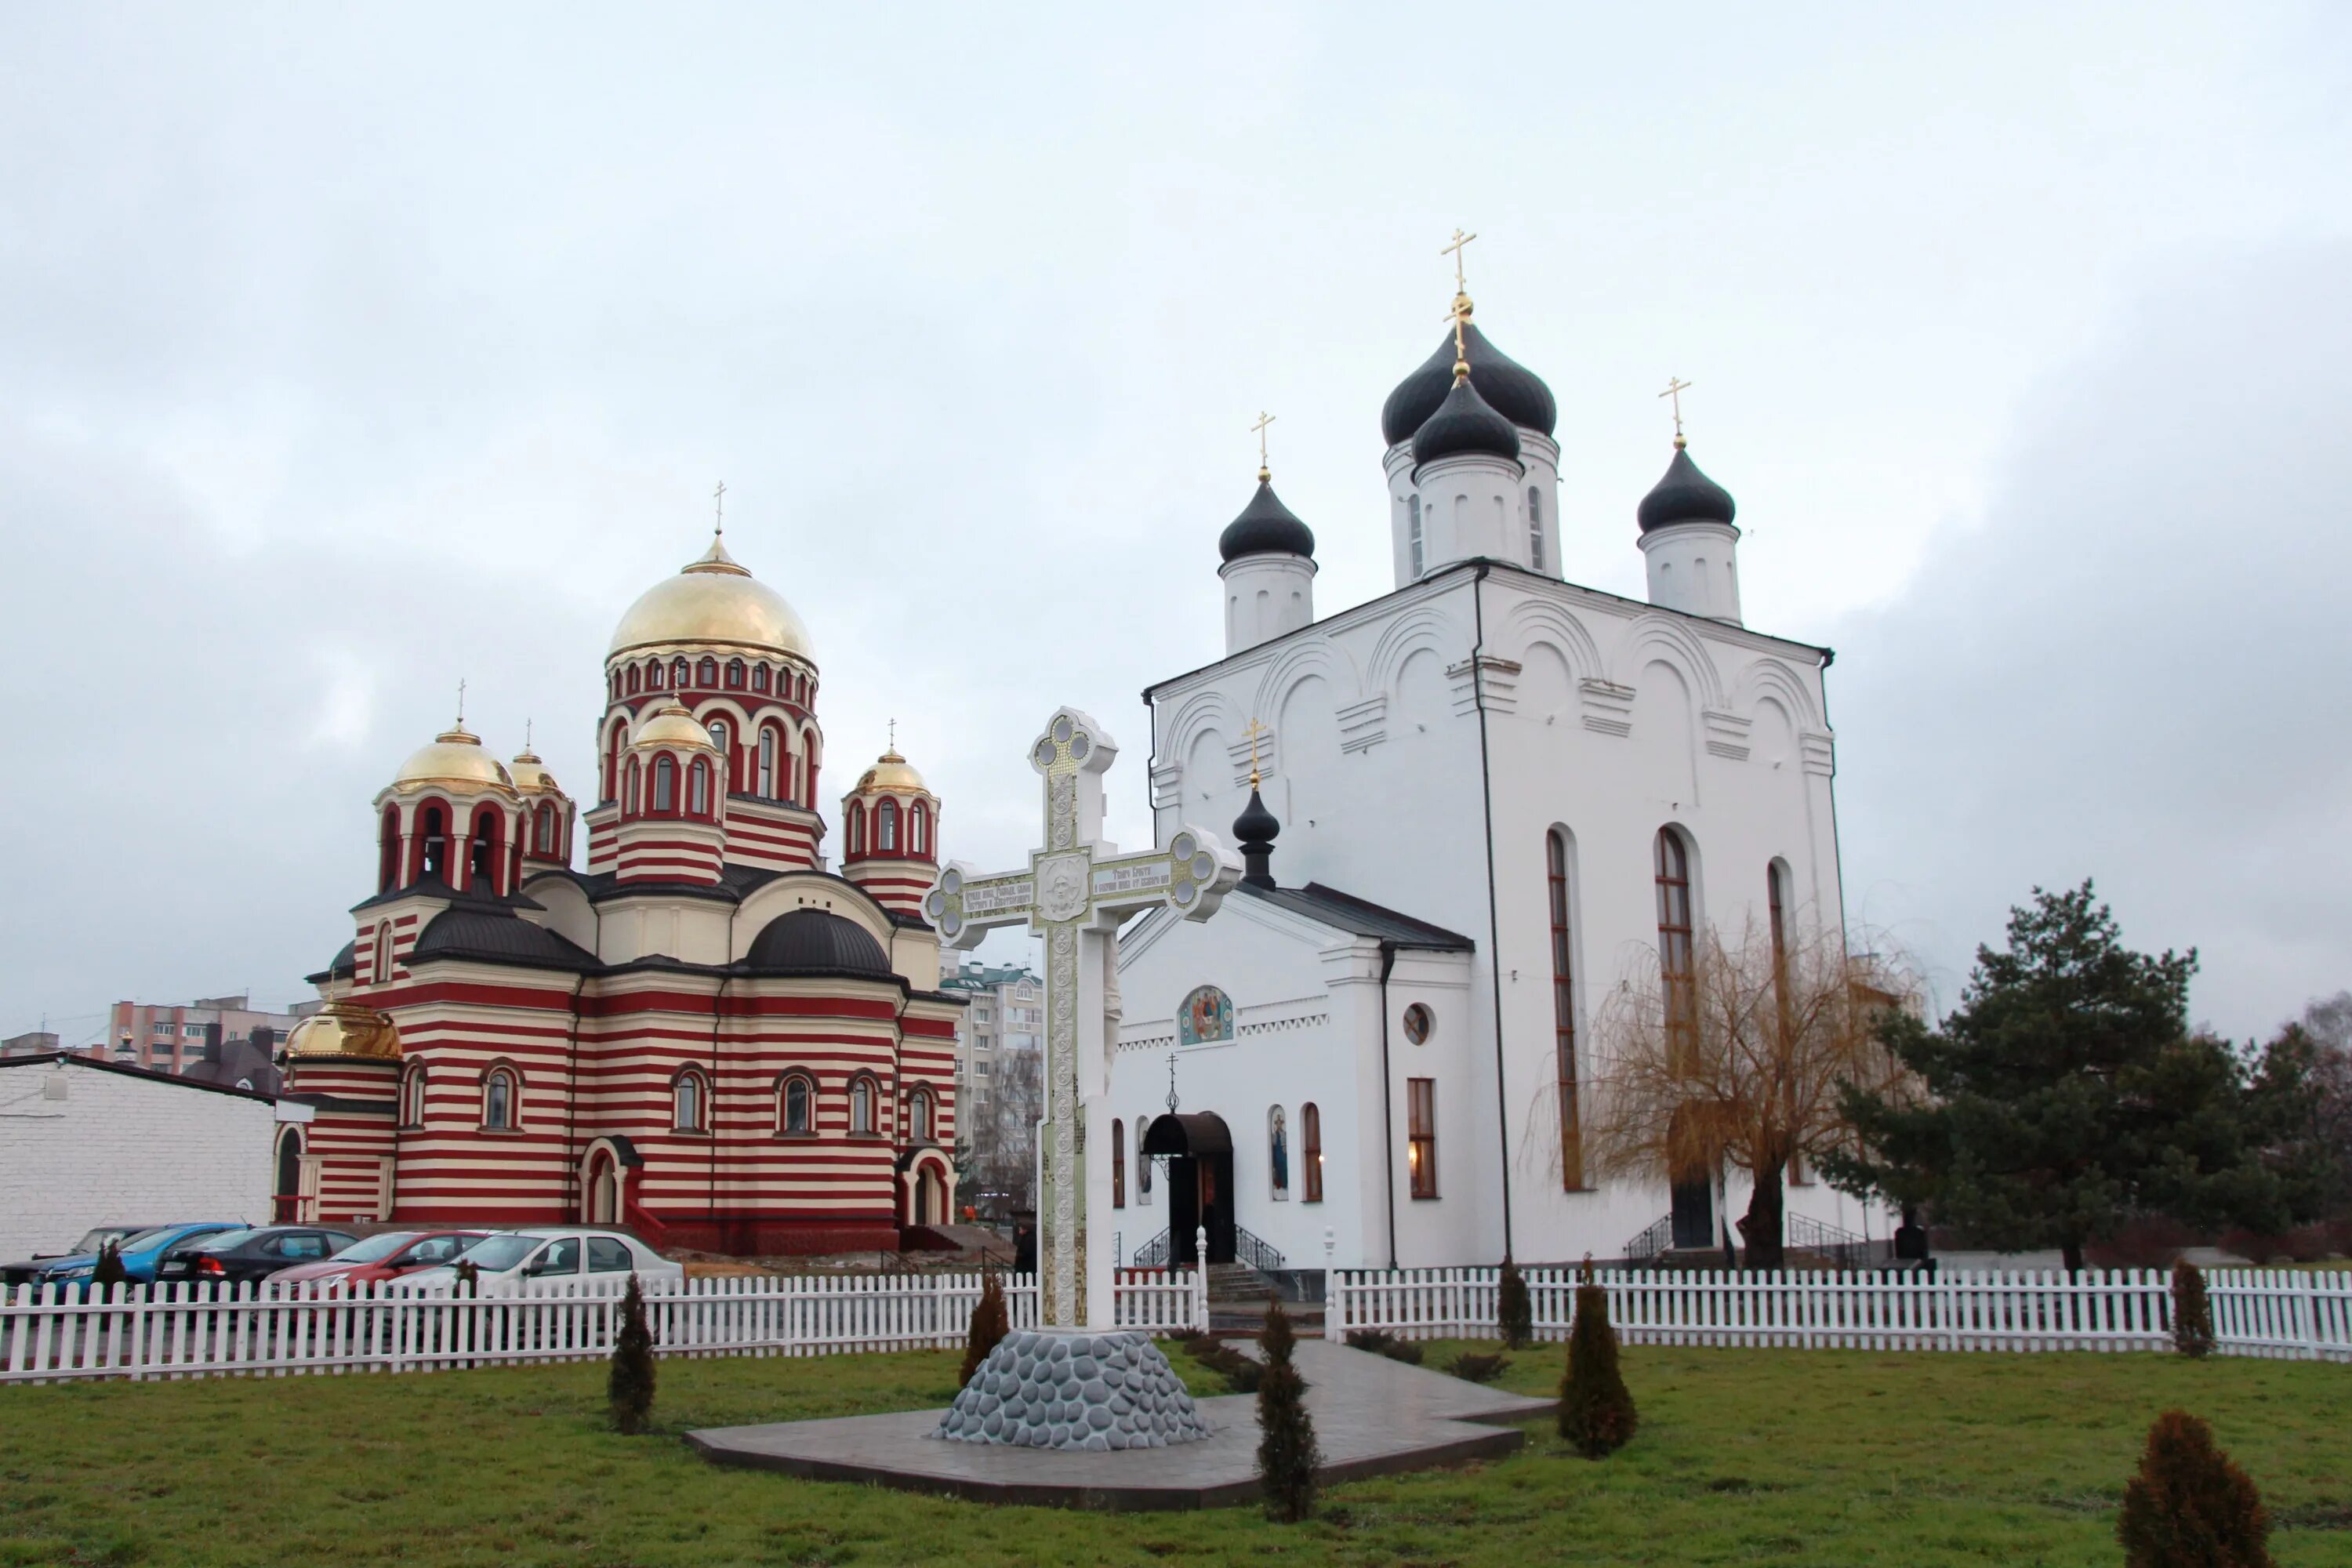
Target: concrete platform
{"points": [[1373, 1416]]}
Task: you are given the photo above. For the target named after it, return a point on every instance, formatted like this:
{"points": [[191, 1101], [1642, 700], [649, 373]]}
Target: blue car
{"points": [[141, 1251]]}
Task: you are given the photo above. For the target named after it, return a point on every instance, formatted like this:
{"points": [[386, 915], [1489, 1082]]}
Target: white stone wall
{"points": [[1604, 716], [122, 1149]]}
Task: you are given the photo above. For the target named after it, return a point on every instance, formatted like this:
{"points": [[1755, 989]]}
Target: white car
{"points": [[553, 1260]]}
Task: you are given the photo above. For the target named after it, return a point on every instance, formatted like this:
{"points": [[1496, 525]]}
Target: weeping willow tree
{"points": [[1738, 1057]]}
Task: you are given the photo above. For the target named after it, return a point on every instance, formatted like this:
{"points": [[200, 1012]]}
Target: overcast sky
{"points": [[344, 356]]}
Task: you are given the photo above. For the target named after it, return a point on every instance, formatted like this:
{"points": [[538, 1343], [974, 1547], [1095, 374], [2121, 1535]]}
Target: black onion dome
{"points": [[1515, 392], [1685, 495], [816, 941], [1266, 527], [1465, 423], [1256, 824]]}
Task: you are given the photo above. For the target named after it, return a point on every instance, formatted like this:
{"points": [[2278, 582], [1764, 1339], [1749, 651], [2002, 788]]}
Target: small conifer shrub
{"points": [[2192, 1312], [630, 1389], [468, 1281], [109, 1270], [1596, 1413], [1515, 1309], [2189, 1507], [1286, 1450], [1472, 1367], [990, 1323]]}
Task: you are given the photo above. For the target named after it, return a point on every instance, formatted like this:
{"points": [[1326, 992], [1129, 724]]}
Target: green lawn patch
{"points": [[1744, 1456]]}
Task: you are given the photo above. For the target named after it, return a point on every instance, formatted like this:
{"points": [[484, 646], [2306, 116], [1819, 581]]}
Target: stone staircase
{"points": [[1237, 1295]]}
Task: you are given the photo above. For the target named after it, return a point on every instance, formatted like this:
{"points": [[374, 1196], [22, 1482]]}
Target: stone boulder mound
{"points": [[1045, 1389]]}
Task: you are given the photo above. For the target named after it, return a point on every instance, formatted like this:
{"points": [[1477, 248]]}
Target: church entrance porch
{"points": [[1199, 1149]]}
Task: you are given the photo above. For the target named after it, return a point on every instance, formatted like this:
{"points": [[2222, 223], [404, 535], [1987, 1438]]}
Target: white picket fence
{"points": [[2256, 1312], [51, 1333]]}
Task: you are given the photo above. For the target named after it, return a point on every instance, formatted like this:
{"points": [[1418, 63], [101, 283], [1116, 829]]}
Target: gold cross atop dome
{"points": [[1264, 473], [1675, 387], [719, 515], [1454, 250], [1460, 314], [461, 703], [1252, 733]]}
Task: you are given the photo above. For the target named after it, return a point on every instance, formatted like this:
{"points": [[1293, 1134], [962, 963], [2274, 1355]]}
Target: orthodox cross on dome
{"points": [[719, 515], [1675, 387], [1252, 733], [894, 734], [1454, 250], [1258, 429], [1075, 891], [526, 735], [461, 703]]}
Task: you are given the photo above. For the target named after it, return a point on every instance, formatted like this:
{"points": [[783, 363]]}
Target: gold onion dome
{"points": [[891, 775], [671, 725], [345, 1029], [530, 775], [712, 600], [454, 757]]}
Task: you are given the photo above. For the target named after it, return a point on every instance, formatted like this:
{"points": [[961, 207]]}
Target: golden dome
{"points": [[713, 600], [530, 775], [456, 757], [345, 1029], [671, 725], [891, 775]]}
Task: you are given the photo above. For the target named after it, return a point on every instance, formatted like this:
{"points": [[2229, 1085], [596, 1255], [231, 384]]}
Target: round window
{"points": [[1417, 1024]]}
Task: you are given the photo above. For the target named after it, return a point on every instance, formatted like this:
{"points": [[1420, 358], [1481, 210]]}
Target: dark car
{"points": [[139, 1249], [243, 1255]]}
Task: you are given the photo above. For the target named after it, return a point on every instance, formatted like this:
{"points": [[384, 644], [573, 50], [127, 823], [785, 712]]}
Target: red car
{"points": [[387, 1254]]}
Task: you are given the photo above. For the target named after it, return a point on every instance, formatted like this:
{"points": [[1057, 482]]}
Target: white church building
{"points": [[1496, 795]]}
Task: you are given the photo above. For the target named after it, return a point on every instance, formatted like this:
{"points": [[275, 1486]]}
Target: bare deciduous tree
{"points": [[999, 1136], [1740, 1061]]}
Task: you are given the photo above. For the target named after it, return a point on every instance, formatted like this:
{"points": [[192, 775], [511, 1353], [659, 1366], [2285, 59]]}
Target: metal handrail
{"points": [[1256, 1254], [1651, 1243], [1840, 1246], [1152, 1254]]}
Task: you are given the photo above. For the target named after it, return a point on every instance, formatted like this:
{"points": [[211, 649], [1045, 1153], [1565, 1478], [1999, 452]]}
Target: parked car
{"points": [[140, 1247], [387, 1254], [552, 1260], [240, 1255]]}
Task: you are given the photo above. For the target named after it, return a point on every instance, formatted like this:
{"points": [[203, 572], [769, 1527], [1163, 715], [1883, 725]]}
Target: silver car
{"points": [[553, 1260]]}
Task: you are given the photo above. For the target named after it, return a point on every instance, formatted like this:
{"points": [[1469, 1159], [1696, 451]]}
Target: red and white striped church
{"points": [[705, 1034]]}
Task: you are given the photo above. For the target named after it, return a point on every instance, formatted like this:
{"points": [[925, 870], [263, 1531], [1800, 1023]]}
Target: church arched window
{"points": [[653, 675], [1117, 1163], [1535, 528], [1412, 534], [861, 1104], [387, 850], [760, 677], [411, 1096], [698, 788], [796, 1105], [680, 672], [1674, 969], [482, 852], [689, 1102], [613, 744], [629, 788], [918, 829], [433, 842], [735, 674], [634, 680], [380, 954], [857, 829], [665, 784], [921, 1124], [722, 736], [502, 1100], [767, 790], [707, 673], [1310, 1150], [886, 827]]}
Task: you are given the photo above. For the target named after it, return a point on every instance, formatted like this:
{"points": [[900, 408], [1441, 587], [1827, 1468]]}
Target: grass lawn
{"points": [[1744, 1456]]}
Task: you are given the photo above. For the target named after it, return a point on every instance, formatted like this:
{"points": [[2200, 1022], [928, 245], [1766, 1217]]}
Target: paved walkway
{"points": [[1373, 1416]]}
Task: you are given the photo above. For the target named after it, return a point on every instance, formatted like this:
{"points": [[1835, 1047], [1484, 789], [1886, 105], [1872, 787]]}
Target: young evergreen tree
{"points": [[1596, 1411], [631, 1388], [1514, 1308], [2189, 1507], [2064, 1097], [109, 1270], [990, 1323], [2192, 1313], [1286, 1450]]}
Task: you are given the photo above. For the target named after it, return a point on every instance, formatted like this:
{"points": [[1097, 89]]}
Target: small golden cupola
{"points": [[548, 812], [450, 820], [890, 828], [673, 800]]}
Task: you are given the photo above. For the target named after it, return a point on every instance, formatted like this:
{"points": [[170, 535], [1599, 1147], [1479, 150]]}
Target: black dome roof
{"points": [[816, 941], [1685, 495], [1465, 423], [1256, 824], [1515, 392], [1266, 527]]}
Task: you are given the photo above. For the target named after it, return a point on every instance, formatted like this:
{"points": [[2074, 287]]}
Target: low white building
{"points": [[85, 1143]]}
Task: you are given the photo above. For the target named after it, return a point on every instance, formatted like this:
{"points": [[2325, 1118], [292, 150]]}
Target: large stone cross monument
{"points": [[1075, 891]]}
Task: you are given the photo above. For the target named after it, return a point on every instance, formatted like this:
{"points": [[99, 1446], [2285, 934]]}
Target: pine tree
{"points": [[631, 1390], [990, 1323], [1286, 1450], [1515, 1309], [1596, 1413], [109, 1270], [2192, 1313], [2189, 1507]]}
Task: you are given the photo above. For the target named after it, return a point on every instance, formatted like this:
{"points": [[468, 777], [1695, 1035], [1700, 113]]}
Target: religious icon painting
{"points": [[1278, 1153], [1206, 1016]]}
